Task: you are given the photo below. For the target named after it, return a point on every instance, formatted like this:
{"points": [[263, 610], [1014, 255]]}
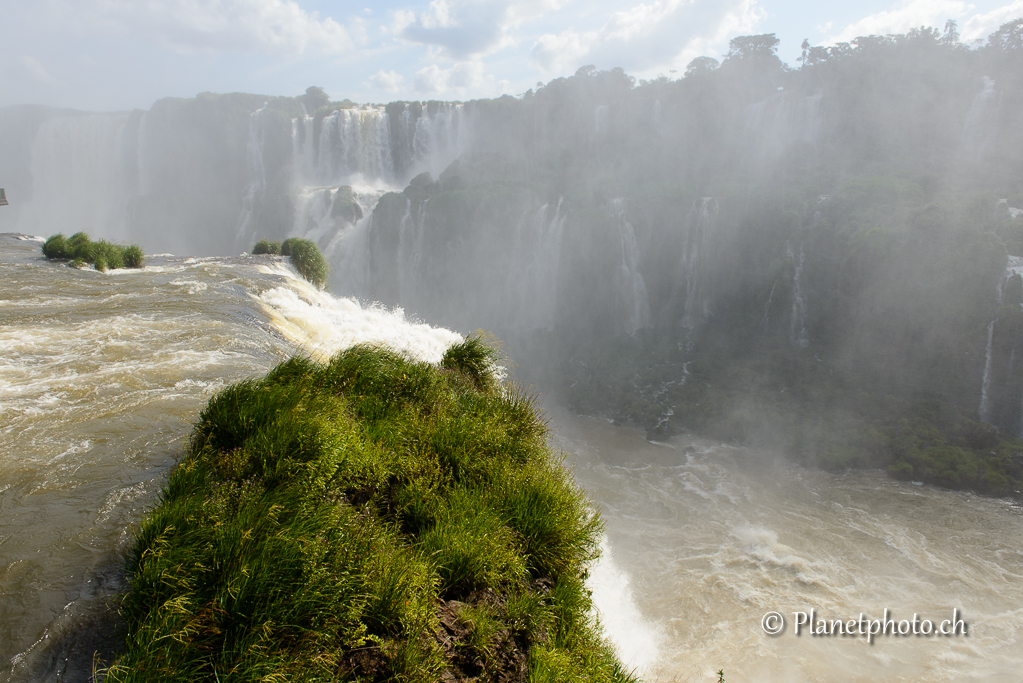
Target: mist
{"points": [[757, 267]]}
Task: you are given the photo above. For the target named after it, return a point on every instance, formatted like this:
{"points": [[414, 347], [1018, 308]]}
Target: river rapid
{"points": [[102, 376]]}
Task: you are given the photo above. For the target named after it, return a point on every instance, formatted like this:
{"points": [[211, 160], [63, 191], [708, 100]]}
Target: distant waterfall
{"points": [[693, 267], [377, 145], [533, 280], [629, 284], [83, 169], [984, 410], [981, 124], [797, 324], [257, 185]]}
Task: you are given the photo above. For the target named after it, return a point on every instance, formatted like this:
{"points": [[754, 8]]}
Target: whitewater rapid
{"points": [[706, 539], [103, 374], [101, 377]]}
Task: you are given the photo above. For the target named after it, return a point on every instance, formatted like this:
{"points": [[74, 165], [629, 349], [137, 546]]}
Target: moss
{"points": [[369, 518]]}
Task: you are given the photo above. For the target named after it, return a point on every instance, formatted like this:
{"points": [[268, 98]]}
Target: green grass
{"points": [[305, 256], [371, 518], [267, 247], [103, 255]]}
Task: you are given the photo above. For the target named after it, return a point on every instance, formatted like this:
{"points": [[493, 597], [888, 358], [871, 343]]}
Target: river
{"points": [[102, 375]]}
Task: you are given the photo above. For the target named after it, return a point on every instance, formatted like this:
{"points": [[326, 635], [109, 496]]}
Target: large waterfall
{"points": [[182, 180]]}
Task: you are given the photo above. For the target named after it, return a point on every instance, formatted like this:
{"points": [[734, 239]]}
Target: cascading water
{"points": [[981, 125], [82, 171], [534, 281], [692, 268], [257, 172], [797, 324], [628, 281], [101, 376]]}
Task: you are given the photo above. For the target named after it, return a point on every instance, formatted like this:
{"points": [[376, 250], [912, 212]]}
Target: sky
{"points": [[115, 55]]}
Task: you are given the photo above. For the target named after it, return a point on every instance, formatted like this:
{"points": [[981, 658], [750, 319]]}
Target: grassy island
{"points": [[305, 256], [102, 255], [371, 518]]}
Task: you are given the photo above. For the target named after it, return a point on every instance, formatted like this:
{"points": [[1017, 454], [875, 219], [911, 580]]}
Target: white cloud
{"points": [[388, 81], [461, 28], [646, 38], [458, 80], [980, 26], [35, 69], [909, 14], [276, 27]]}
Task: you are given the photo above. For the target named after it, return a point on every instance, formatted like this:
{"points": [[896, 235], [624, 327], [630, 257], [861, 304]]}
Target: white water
{"points": [[797, 325], [628, 281], [692, 275], [706, 538], [101, 378]]}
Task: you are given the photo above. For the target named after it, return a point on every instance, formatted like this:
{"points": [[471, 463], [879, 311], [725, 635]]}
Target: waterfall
{"points": [[377, 145], [981, 124], [82, 173], [693, 268], [247, 228], [984, 410], [629, 284], [797, 326], [533, 277]]}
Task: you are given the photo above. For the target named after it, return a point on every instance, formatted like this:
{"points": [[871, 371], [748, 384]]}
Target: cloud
{"points": [[647, 37], [273, 27], [458, 80], [463, 28], [36, 70], [980, 26], [910, 14], [388, 81]]}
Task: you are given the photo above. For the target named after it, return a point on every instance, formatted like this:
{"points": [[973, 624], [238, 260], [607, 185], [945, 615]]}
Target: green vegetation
{"points": [[307, 259], [372, 518], [102, 254], [267, 247], [305, 256]]}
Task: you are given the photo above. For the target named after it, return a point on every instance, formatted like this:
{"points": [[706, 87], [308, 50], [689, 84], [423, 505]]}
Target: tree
{"points": [[314, 98], [762, 48], [951, 32], [1008, 37], [701, 65]]}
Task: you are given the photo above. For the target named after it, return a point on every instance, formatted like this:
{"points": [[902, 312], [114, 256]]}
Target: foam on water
{"points": [[322, 324], [705, 539], [101, 378]]}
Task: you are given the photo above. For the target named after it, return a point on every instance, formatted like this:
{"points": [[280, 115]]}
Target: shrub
{"points": [[102, 254], [267, 247], [307, 259], [55, 247], [372, 518]]}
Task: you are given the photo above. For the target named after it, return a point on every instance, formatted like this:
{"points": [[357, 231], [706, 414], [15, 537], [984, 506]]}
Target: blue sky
{"points": [[123, 54]]}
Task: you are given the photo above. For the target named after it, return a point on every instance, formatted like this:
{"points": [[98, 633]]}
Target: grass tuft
{"points": [[368, 518], [103, 255], [267, 247]]}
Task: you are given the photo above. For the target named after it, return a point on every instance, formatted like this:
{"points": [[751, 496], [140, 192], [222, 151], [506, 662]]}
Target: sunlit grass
{"points": [[103, 255], [368, 518]]}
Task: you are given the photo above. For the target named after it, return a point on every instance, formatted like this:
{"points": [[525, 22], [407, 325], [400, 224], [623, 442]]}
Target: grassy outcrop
{"points": [[79, 249], [372, 518], [305, 256], [266, 247]]}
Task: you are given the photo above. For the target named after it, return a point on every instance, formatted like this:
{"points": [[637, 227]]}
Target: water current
{"points": [[102, 375]]}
